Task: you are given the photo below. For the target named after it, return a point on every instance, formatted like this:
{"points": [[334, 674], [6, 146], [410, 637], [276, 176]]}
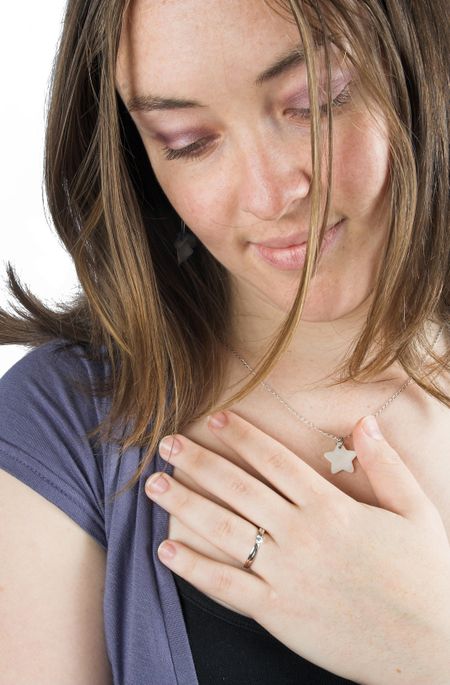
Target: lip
{"points": [[289, 240], [291, 257]]}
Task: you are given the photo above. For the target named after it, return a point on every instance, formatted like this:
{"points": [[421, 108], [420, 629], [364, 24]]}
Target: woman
{"points": [[305, 145]]}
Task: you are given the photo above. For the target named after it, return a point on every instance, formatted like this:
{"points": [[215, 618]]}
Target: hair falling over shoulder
{"points": [[138, 309]]}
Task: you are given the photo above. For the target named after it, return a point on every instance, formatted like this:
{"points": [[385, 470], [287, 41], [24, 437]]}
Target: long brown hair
{"points": [[140, 311]]}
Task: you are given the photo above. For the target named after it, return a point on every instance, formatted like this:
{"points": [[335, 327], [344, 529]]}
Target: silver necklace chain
{"points": [[339, 439]]}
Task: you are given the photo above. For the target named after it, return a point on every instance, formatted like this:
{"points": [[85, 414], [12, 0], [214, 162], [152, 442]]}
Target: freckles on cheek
{"points": [[361, 164], [201, 216], [202, 209], [182, 198], [203, 199]]}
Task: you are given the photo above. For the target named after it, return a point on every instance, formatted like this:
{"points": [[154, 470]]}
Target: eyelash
{"points": [[196, 149], [340, 100]]}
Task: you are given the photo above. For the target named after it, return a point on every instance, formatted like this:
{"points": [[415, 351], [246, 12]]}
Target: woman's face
{"points": [[227, 132]]}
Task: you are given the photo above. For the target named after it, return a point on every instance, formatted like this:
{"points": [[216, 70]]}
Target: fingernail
{"points": [[371, 428], [169, 445], [166, 550], [157, 483], [217, 420]]}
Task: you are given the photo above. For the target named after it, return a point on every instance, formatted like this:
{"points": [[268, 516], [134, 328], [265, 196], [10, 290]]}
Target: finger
{"points": [[243, 591], [247, 495], [219, 526], [394, 485], [293, 477]]}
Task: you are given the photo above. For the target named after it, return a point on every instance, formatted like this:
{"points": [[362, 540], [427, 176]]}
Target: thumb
{"points": [[395, 487]]}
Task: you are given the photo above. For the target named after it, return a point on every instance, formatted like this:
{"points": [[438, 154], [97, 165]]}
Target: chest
{"points": [[418, 430]]}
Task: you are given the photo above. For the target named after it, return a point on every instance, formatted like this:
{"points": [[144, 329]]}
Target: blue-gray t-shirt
{"points": [[43, 443]]}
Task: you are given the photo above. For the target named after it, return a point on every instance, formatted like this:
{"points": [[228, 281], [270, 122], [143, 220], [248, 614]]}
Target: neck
{"points": [[315, 352]]}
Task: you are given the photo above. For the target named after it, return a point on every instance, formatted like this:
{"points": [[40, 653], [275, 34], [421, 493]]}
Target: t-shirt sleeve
{"points": [[44, 419]]}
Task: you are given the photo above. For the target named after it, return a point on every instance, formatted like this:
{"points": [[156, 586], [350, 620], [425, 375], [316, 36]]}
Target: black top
{"points": [[234, 649]]}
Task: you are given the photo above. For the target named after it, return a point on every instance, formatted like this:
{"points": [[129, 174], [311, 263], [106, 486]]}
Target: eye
{"points": [[339, 101], [191, 151]]}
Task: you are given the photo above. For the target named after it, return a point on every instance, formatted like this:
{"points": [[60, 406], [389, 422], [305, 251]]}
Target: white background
{"points": [[29, 33]]}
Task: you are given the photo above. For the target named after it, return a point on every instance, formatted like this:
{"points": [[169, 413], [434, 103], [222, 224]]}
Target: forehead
{"points": [[167, 42]]}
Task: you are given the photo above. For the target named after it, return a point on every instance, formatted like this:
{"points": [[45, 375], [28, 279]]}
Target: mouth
{"points": [[293, 256], [280, 242]]}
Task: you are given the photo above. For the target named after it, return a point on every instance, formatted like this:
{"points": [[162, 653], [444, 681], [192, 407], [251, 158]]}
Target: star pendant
{"points": [[341, 458]]}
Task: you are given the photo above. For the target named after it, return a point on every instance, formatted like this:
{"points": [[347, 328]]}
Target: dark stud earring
{"points": [[184, 244]]}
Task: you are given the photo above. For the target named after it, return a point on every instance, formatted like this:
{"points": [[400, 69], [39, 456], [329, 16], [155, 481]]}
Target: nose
{"points": [[272, 180]]}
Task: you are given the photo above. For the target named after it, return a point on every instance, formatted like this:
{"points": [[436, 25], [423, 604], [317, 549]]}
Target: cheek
{"points": [[362, 165], [205, 205], [203, 211]]}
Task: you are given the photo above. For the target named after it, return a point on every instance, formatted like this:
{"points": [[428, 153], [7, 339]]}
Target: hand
{"points": [[361, 591]]}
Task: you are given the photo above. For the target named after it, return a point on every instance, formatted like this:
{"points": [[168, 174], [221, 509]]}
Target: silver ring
{"points": [[258, 542]]}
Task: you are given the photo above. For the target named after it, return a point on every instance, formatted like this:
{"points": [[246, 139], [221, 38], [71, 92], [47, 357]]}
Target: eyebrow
{"points": [[283, 64]]}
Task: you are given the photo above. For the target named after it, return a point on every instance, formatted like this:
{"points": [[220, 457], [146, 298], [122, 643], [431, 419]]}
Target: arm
{"points": [[51, 594]]}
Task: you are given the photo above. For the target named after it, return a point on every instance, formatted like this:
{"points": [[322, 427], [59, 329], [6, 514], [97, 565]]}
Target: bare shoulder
{"points": [[51, 592]]}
